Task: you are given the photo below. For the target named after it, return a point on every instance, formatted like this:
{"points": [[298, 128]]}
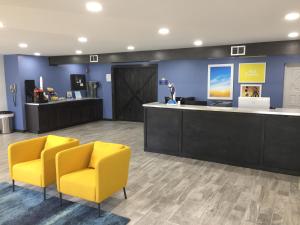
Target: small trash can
{"points": [[6, 122]]}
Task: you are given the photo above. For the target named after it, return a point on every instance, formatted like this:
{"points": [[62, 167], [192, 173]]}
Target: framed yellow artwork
{"points": [[252, 73]]}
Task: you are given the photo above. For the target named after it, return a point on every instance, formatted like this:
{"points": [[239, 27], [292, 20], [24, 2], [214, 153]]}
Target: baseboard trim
{"points": [[108, 119], [21, 131]]}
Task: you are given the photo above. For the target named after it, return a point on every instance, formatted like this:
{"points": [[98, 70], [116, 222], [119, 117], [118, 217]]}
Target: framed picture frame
{"points": [[220, 82], [252, 72], [251, 90]]}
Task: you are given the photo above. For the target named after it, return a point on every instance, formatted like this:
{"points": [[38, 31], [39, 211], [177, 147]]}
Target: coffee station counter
{"points": [[54, 115]]}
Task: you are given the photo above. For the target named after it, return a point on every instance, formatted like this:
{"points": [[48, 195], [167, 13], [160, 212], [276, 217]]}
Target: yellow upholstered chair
{"points": [[93, 171], [33, 161]]}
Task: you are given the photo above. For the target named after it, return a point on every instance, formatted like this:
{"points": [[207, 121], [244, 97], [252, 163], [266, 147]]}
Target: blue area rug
{"points": [[27, 207]]}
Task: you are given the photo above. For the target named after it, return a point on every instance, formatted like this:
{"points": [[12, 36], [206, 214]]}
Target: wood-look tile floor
{"points": [[167, 190]]}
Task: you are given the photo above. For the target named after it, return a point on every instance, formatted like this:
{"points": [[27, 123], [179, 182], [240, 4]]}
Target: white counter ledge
{"points": [[278, 111], [61, 101]]}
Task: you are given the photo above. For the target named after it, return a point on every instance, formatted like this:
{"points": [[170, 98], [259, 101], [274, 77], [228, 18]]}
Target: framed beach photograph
{"points": [[251, 90], [220, 82]]}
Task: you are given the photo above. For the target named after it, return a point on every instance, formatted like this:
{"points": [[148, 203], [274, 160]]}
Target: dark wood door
{"points": [[133, 86]]}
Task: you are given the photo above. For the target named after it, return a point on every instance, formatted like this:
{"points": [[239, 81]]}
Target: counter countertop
{"points": [[61, 101], [278, 111]]}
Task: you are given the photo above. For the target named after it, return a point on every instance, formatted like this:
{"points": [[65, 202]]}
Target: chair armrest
{"points": [[48, 161], [72, 160], [24, 151], [112, 173]]}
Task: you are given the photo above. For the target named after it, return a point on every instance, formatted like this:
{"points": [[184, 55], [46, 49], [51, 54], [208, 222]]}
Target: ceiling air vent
{"points": [[94, 58], [238, 50]]}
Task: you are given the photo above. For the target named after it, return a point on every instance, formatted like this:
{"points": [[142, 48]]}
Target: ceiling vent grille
{"points": [[238, 50], [94, 58]]}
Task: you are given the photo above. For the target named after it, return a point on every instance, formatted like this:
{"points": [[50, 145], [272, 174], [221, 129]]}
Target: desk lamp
{"points": [[171, 87]]}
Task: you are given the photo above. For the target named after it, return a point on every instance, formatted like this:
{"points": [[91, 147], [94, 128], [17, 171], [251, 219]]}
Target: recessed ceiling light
{"points": [[292, 16], [198, 43], [130, 48], [164, 31], [293, 34], [93, 7], [1, 25], [37, 54], [82, 39], [78, 52], [23, 45]]}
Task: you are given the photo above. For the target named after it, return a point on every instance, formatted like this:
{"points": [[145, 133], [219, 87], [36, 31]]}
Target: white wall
{"points": [[3, 103]]}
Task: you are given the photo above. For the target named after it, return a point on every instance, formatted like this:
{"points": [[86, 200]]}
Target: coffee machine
{"points": [[39, 96], [92, 87]]}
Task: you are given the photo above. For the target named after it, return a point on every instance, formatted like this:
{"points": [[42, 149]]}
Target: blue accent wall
{"points": [[189, 77], [97, 72], [12, 76]]}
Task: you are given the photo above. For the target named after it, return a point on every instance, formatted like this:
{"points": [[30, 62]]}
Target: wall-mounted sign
{"points": [[220, 82], [251, 90], [252, 73], [108, 77]]}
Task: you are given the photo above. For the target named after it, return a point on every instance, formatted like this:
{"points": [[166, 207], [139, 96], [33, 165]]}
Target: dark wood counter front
{"points": [[255, 140], [52, 116]]}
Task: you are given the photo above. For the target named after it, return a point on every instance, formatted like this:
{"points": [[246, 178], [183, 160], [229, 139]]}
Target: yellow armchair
{"points": [[93, 171], [33, 161]]}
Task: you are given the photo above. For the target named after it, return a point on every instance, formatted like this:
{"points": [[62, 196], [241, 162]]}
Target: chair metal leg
{"points": [[99, 209], [44, 193], [124, 190], [60, 199], [13, 185]]}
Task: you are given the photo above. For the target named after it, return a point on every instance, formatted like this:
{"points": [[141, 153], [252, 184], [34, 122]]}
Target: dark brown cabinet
{"points": [[52, 116]]}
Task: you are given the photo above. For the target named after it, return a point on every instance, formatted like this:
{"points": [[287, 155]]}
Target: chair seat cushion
{"points": [[29, 172], [101, 150], [81, 184], [53, 141]]}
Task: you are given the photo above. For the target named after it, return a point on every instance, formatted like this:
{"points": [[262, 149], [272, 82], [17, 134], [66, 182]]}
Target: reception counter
{"points": [[266, 139], [44, 117]]}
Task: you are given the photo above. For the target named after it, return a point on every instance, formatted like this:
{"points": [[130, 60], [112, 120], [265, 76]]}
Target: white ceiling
{"points": [[53, 26]]}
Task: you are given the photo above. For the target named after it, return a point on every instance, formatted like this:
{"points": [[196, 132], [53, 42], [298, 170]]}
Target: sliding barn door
{"points": [[133, 86]]}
